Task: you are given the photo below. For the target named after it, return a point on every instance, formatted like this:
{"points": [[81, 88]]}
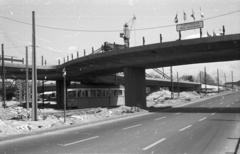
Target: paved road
{"points": [[203, 127]]}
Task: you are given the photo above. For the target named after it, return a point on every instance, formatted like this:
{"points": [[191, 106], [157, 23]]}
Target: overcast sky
{"points": [[106, 18]]}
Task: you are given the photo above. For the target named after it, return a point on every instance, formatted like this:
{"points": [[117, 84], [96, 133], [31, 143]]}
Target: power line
{"points": [[100, 31], [11, 41]]}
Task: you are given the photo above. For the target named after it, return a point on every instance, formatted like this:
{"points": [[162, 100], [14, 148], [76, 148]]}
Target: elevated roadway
{"points": [[201, 50], [133, 62]]}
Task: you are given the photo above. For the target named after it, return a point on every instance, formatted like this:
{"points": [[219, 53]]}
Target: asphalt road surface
{"points": [[204, 127]]}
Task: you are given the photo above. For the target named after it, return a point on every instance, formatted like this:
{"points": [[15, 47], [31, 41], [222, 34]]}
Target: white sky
{"points": [[111, 15]]}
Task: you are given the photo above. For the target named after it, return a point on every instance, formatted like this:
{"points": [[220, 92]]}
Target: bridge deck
{"points": [[201, 50]]}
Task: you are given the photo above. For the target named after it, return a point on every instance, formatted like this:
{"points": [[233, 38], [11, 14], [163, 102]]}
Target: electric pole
{"points": [[34, 72], [42, 87], [3, 80], [172, 96], [205, 78], [65, 92], [232, 80], [27, 88], [178, 85], [218, 80]]}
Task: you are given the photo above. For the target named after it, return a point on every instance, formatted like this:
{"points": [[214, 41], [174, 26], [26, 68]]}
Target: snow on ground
{"points": [[15, 119], [163, 98]]}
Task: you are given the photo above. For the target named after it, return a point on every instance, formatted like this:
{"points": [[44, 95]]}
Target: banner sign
{"points": [[190, 25]]}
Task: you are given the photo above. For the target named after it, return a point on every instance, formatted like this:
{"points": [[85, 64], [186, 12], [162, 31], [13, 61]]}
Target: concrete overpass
{"points": [[134, 61]]}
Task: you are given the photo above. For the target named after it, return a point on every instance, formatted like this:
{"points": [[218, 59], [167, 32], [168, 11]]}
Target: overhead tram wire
{"points": [[100, 31]]}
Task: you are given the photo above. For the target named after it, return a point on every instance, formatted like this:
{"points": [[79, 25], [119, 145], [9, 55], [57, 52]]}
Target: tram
{"points": [[88, 97]]}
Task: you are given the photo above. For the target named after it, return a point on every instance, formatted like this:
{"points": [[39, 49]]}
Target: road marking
{"points": [[148, 147], [185, 128], [160, 118], [212, 113], [80, 141], [131, 126], [202, 119], [177, 113]]}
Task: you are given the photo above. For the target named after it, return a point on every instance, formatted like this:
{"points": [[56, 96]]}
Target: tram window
{"points": [[99, 93], [71, 93], [111, 93], [93, 93], [120, 92], [104, 93], [79, 93], [85, 93], [107, 93], [115, 92]]}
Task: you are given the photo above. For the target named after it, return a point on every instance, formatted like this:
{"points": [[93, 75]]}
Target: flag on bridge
{"points": [[184, 16], [176, 18], [192, 15], [208, 34], [202, 16]]}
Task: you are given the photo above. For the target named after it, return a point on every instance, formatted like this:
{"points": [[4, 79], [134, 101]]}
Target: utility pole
{"points": [[232, 80], [64, 91], [27, 88], [172, 96], [205, 78], [178, 85], [218, 80], [34, 72], [3, 80], [42, 86], [200, 78]]}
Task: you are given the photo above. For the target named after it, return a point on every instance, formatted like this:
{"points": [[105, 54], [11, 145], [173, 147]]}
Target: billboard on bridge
{"points": [[189, 25]]}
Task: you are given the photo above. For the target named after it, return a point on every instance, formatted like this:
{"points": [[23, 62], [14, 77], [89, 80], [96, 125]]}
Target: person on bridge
{"points": [[126, 35]]}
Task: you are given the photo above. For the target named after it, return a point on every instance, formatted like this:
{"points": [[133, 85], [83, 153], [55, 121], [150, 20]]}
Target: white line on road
{"points": [[160, 118], [212, 113], [80, 141], [148, 147], [185, 128], [202, 119], [131, 126], [177, 113]]}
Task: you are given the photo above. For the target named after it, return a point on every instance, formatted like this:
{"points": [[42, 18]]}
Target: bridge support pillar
{"points": [[60, 92], [135, 87]]}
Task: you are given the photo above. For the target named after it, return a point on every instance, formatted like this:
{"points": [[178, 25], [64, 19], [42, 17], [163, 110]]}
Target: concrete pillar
{"points": [[135, 87], [60, 92]]}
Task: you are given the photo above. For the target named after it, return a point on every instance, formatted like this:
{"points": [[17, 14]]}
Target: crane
{"points": [[126, 31]]}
